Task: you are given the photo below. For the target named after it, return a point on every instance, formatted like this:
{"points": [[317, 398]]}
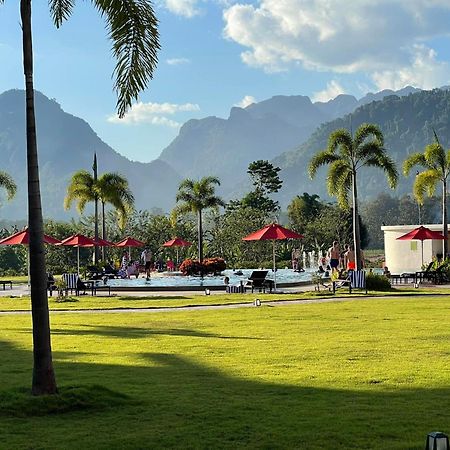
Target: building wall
{"points": [[406, 256]]}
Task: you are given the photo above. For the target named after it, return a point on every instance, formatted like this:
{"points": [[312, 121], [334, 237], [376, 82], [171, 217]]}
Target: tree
{"points": [[195, 197], [302, 210], [8, 184], [346, 155], [132, 27], [109, 188], [436, 162]]}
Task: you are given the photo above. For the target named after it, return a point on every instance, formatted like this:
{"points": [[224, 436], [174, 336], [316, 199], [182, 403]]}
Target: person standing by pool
{"points": [[334, 254], [146, 257]]}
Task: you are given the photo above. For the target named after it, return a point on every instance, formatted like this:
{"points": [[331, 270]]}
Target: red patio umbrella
{"points": [[78, 240], [23, 238], [273, 232], [129, 242], [421, 234], [177, 242]]}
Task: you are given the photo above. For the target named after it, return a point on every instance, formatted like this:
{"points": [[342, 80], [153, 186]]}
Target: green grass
{"points": [[345, 375], [102, 301]]}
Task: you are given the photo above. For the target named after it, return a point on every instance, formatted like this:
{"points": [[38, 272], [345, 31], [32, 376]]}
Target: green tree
{"points": [[303, 209], [436, 163], [8, 184], [196, 196], [346, 155], [265, 179], [109, 188], [132, 26]]}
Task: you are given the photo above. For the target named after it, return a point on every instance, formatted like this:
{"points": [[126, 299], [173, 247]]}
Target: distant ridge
{"points": [[66, 144]]}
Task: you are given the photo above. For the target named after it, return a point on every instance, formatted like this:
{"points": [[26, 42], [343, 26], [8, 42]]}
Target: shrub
{"points": [[209, 265], [376, 282], [191, 267], [214, 265]]}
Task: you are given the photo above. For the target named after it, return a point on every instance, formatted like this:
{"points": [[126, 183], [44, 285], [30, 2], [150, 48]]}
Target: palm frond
{"points": [[339, 182], [60, 10], [8, 183], [387, 164], [132, 27], [321, 159], [435, 156], [368, 130], [425, 182], [416, 159], [341, 140]]}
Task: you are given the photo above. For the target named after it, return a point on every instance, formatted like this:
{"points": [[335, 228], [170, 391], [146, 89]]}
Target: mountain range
{"points": [[284, 129]]}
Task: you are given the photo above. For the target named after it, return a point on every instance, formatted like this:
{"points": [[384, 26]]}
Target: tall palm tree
{"points": [[436, 163], [109, 188], [195, 196], [346, 155], [132, 27], [8, 184]]}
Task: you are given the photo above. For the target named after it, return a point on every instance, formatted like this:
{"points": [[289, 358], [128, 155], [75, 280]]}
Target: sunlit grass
{"points": [[369, 374]]}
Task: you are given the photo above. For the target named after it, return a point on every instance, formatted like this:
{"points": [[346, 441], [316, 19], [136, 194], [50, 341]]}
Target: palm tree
{"points": [[195, 197], [436, 162], [109, 188], [8, 183], [132, 27], [346, 155]]}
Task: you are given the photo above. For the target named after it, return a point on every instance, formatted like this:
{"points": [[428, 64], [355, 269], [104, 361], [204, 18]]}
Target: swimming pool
{"points": [[168, 281]]}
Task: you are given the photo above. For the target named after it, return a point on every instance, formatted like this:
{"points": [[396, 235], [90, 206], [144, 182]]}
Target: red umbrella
{"points": [[421, 234], [22, 237], [177, 242], [78, 240], [273, 232], [129, 242]]}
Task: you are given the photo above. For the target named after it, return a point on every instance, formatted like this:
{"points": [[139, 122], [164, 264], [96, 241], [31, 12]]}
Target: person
{"points": [[226, 281], [124, 261], [386, 272], [170, 265], [350, 259], [334, 253], [295, 255], [146, 257], [342, 261]]}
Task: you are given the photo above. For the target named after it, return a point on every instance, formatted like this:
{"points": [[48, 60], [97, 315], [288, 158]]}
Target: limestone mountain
{"points": [[66, 144], [407, 123], [263, 130]]}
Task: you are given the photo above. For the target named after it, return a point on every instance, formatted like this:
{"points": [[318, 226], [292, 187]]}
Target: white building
{"points": [[406, 256]]}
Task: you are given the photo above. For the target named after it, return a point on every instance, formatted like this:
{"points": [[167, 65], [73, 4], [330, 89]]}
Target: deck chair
{"points": [[257, 280], [427, 274], [93, 273], [357, 280], [73, 283]]}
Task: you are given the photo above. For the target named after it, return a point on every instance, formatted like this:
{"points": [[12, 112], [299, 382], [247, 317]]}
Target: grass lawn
{"points": [[351, 375]]}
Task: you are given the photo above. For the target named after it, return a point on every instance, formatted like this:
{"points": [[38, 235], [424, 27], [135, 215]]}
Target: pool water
{"points": [[165, 280]]}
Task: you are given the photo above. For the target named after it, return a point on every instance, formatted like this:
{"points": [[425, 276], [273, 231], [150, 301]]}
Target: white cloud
{"points": [[246, 101], [177, 61], [339, 35], [185, 8], [153, 113], [424, 71], [332, 90]]}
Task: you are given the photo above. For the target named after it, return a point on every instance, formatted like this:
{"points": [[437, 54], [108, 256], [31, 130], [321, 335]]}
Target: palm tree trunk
{"points": [[103, 229], [200, 237], [356, 232], [44, 381], [94, 168], [444, 218]]}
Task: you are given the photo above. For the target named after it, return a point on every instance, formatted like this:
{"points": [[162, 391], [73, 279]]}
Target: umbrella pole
{"points": [[28, 265], [129, 253], [274, 268], [176, 263], [422, 255], [78, 260]]}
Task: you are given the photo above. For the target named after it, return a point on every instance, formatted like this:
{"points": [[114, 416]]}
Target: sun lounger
{"points": [[258, 280]]}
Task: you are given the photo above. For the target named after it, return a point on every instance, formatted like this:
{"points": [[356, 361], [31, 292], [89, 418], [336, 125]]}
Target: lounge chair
{"points": [[51, 286], [73, 283], [94, 273], [257, 280], [427, 275]]}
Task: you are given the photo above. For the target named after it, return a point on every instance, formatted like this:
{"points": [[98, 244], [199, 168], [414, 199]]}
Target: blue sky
{"points": [[220, 53]]}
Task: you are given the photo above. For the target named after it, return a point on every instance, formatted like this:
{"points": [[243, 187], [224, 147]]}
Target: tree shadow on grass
{"points": [[154, 297], [183, 404]]}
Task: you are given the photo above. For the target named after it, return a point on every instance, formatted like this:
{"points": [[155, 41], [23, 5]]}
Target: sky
{"points": [[216, 54]]}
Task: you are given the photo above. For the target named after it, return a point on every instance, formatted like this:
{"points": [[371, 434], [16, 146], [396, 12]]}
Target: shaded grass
{"points": [[350, 375], [19, 402]]}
